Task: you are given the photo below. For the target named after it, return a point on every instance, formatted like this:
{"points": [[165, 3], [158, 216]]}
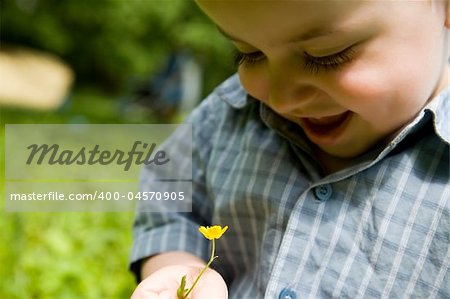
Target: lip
{"points": [[326, 130]]}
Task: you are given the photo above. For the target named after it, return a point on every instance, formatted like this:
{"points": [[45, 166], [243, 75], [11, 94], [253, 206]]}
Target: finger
{"points": [[139, 293], [167, 295]]}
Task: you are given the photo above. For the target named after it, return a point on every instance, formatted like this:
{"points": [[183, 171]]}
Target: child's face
{"points": [[350, 73]]}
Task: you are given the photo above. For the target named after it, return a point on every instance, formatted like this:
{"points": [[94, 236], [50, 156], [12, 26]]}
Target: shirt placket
{"points": [[281, 284]]}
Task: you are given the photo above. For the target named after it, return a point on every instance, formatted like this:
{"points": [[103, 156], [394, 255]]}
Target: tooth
{"points": [[327, 120]]}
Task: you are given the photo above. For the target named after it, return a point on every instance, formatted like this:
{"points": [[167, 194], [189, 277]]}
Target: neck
{"points": [[331, 164]]}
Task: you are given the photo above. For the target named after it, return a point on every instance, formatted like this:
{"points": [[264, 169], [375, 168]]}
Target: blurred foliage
{"points": [[65, 255], [84, 105], [110, 41]]}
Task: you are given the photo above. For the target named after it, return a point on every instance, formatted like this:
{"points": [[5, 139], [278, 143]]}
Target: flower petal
{"points": [[205, 232], [223, 230], [212, 232]]}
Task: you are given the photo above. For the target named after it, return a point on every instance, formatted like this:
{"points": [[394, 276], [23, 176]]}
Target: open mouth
{"points": [[326, 128], [328, 122]]}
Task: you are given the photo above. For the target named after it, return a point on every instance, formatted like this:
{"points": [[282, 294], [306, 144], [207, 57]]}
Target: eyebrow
{"points": [[313, 33]]}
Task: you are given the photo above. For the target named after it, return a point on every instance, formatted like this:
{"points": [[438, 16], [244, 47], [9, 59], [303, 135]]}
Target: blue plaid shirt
{"points": [[377, 229]]}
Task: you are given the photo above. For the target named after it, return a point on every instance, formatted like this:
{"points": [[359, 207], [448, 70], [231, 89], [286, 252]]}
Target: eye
{"points": [[312, 64], [328, 63], [247, 58]]}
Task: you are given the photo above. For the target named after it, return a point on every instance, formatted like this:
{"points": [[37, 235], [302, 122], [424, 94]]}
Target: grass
{"points": [[66, 254]]}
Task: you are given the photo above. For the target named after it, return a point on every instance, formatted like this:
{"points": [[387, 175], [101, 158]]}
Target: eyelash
{"points": [[311, 63], [247, 58]]}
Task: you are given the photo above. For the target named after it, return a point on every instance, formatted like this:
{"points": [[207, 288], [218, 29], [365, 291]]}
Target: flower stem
{"points": [[212, 258]]}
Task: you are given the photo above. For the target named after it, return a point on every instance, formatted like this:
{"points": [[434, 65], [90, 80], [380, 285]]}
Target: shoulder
{"points": [[228, 104], [224, 119], [228, 96]]}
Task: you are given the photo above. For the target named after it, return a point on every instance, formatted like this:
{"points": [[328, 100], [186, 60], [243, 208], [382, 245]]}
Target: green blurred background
{"points": [[113, 47]]}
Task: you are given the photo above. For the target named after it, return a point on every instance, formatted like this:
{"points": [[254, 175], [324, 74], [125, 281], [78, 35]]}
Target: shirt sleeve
{"points": [[155, 233]]}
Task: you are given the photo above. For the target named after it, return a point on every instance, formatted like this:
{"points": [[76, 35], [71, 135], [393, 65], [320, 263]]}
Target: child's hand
{"points": [[163, 284]]}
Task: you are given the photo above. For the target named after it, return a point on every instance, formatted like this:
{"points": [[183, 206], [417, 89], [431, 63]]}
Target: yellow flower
{"points": [[212, 232]]}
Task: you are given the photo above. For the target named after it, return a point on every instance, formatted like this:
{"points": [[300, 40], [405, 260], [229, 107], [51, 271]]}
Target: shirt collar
{"points": [[232, 92], [439, 108]]}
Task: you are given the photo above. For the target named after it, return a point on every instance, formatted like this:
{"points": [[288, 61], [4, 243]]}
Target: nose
{"points": [[290, 89]]}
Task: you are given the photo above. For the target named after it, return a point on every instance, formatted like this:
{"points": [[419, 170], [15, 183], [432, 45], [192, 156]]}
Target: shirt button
{"points": [[323, 192], [287, 294]]}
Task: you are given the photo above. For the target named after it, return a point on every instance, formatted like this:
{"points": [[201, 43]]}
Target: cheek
{"points": [[387, 81], [360, 90], [255, 83], [373, 90], [384, 97]]}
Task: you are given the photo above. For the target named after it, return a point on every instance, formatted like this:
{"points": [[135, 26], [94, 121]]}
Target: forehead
{"points": [[277, 20], [268, 8], [250, 18]]}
